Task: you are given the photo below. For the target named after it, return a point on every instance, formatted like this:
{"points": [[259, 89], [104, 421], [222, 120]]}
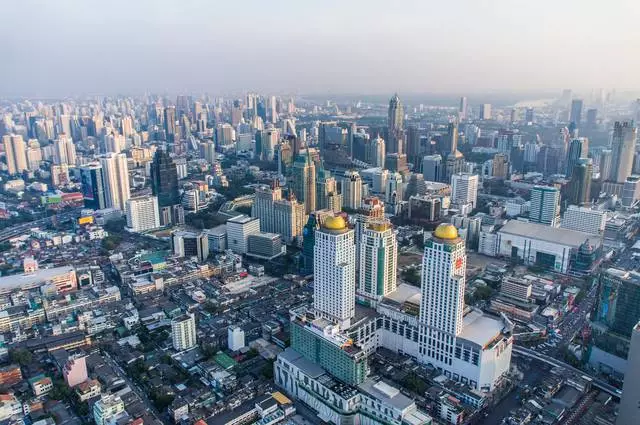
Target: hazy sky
{"points": [[58, 47]]}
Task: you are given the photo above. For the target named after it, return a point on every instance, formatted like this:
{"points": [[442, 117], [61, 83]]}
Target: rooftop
{"points": [[480, 329], [7, 283], [542, 232], [386, 394], [242, 219]]}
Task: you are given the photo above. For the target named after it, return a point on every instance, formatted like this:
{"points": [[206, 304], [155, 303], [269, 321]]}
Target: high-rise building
{"points": [[584, 219], [93, 192], [623, 144], [334, 287], [189, 244], [371, 209], [605, 164], [15, 152], [304, 181], [116, 179], [580, 184], [170, 122], [454, 165], [289, 218], [327, 192], [432, 168], [629, 408], [164, 179], [592, 118], [378, 152], [108, 409], [500, 166], [34, 155], [576, 111], [183, 332], [238, 230], [74, 370], [59, 175], [630, 191], [235, 338], [618, 303], [394, 193], [529, 115], [351, 190], [462, 109], [578, 148], [449, 142], [262, 207], [545, 205], [485, 111], [396, 125], [378, 262], [143, 213], [464, 189], [64, 150]]}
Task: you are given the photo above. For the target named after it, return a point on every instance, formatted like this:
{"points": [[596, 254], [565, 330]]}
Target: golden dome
{"points": [[446, 231], [335, 223]]}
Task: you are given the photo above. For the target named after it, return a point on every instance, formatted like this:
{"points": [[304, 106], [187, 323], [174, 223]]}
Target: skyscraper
{"points": [[64, 150], [93, 186], [116, 179], [545, 205], [464, 189], [164, 179], [378, 152], [592, 118], [15, 152], [580, 184], [442, 294], [500, 166], [485, 111], [630, 400], [623, 144], [432, 168], [170, 122], [327, 192], [334, 287], [352, 190], [143, 213], [289, 218], [183, 332], [606, 157], [449, 143], [578, 148], [262, 207], [304, 181], [396, 125], [576, 111], [378, 262], [462, 109]]}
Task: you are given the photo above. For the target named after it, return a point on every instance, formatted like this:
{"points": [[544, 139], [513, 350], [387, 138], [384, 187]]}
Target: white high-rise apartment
{"points": [[15, 152], [378, 262], [289, 218], [143, 213], [545, 205], [464, 189], [183, 332], [238, 230], [115, 143], [334, 271], [64, 150], [351, 190], [116, 179], [34, 155], [584, 219]]}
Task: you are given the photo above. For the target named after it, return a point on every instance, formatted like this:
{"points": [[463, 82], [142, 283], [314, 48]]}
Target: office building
{"points": [[618, 304], [432, 168], [395, 125], [116, 179], [580, 184], [578, 149], [93, 192], [464, 189], [629, 408], [454, 164], [630, 191], [164, 179], [394, 193], [485, 111], [378, 262], [623, 144], [304, 182], [183, 332], [575, 116], [500, 166], [605, 164], [15, 152], [108, 409], [235, 338], [378, 152], [143, 213], [334, 288], [238, 230], [170, 123], [34, 155], [64, 150], [584, 219], [462, 109], [327, 192], [262, 207], [217, 238], [190, 244], [545, 205], [265, 246], [60, 175], [289, 218], [351, 190], [592, 118]]}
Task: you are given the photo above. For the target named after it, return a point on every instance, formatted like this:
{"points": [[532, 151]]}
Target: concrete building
{"points": [[238, 230], [334, 289], [432, 168], [217, 238], [464, 189], [116, 180], [266, 246], [584, 219], [75, 370], [143, 213], [262, 207], [185, 243], [545, 206], [183, 332], [630, 191], [15, 152], [623, 144], [352, 190], [304, 181], [378, 262], [289, 218], [235, 338], [108, 408]]}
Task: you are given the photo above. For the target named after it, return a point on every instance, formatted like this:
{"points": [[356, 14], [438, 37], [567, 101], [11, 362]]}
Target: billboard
{"points": [[85, 220]]}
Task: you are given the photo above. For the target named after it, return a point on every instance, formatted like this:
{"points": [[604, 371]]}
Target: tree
{"points": [[483, 292], [267, 370], [415, 384], [60, 391], [412, 276], [111, 242], [115, 225], [161, 400], [22, 356], [5, 246]]}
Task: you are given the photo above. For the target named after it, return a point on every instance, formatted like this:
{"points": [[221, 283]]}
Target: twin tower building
{"points": [[359, 307]]}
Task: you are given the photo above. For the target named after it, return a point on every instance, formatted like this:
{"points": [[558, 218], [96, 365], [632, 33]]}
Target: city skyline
{"points": [[418, 48]]}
